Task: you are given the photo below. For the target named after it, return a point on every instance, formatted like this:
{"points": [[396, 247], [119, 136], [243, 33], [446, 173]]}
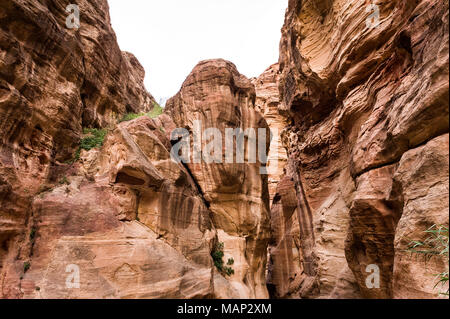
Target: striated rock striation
{"points": [[53, 82], [267, 103], [129, 218], [367, 145], [217, 96], [358, 165]]}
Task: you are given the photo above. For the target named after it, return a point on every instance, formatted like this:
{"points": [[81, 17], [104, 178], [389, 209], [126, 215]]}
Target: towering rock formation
{"points": [[360, 101], [84, 218], [367, 101], [217, 96], [128, 218], [267, 103], [124, 219], [53, 81]]}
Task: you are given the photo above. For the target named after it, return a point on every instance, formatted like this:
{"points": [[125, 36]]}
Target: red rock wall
{"points": [[363, 117], [53, 82], [218, 96], [368, 147]]}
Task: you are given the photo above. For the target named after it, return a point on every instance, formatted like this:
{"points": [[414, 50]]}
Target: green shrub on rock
{"points": [[217, 256]]}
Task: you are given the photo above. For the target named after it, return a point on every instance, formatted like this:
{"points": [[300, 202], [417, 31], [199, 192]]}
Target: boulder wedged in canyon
{"points": [[217, 96], [368, 108]]}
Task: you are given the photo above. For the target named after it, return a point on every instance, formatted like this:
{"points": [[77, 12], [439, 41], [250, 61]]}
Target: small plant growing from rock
{"points": [[436, 244], [93, 138], [228, 271], [26, 266], [155, 112], [217, 255], [32, 233]]}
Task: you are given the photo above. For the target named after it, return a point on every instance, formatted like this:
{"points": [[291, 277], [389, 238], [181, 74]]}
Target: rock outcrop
{"points": [[422, 180], [54, 81], [367, 145], [218, 97], [267, 103], [130, 219]]}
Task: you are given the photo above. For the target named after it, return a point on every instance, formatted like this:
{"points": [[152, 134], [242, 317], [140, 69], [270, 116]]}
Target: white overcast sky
{"points": [[169, 37]]}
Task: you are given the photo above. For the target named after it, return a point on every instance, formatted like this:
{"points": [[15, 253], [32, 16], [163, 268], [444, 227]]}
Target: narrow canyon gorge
{"points": [[357, 162]]}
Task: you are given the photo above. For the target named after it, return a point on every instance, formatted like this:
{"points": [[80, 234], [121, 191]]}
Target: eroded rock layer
{"points": [[54, 81], [367, 145], [218, 97], [127, 217], [267, 102], [359, 163]]}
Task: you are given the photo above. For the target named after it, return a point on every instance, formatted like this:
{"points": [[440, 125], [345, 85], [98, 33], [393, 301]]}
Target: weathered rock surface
{"points": [[267, 102], [53, 82], [219, 97], [366, 145], [130, 219], [135, 223], [422, 180], [361, 167]]}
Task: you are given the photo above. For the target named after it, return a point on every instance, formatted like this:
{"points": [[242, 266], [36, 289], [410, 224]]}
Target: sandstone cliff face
{"points": [[422, 177], [267, 103], [219, 97], [367, 146], [54, 80], [136, 224], [133, 222], [359, 166], [129, 218]]}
